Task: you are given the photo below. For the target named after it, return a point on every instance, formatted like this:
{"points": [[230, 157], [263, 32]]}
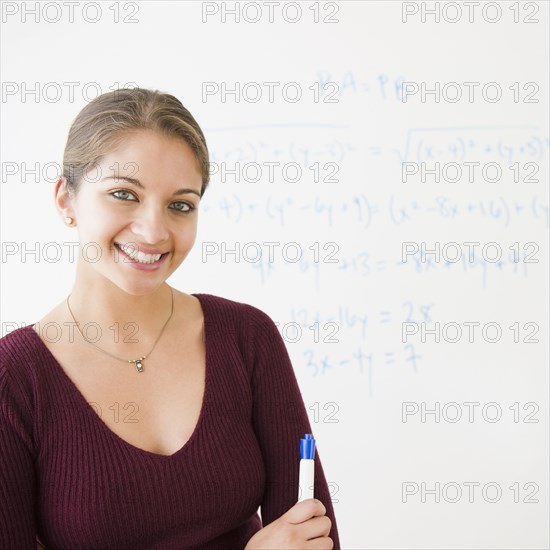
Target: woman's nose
{"points": [[150, 226]]}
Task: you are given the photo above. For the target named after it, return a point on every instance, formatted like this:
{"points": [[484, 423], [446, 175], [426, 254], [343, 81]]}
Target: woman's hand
{"points": [[303, 527]]}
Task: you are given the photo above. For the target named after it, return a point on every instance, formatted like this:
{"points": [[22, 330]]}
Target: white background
{"points": [[354, 388]]}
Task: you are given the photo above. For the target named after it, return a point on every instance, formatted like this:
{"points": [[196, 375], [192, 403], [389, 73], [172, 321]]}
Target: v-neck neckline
{"points": [[103, 425]]}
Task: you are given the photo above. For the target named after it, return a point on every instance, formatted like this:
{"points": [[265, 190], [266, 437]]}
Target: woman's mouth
{"points": [[140, 259]]}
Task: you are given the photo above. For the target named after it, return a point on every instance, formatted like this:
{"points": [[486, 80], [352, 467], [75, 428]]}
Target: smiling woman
{"points": [[213, 411], [148, 206]]}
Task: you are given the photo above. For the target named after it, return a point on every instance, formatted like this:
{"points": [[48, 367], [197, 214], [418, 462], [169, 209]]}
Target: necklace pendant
{"points": [[139, 364]]}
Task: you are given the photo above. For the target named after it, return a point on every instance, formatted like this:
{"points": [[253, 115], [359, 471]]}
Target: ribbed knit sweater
{"points": [[70, 480]]}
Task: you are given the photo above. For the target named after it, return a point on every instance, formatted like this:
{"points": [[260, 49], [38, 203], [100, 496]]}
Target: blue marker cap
{"points": [[307, 447]]}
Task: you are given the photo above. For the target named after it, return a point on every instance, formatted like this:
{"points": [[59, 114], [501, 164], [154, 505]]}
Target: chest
{"points": [[156, 410]]}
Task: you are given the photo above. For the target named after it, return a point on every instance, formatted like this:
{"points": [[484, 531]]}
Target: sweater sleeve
{"points": [[280, 420], [17, 474]]}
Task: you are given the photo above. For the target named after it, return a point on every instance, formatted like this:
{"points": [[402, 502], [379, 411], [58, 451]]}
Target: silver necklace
{"points": [[137, 362]]}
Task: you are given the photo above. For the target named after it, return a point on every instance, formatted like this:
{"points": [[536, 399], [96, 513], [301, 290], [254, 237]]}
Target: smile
{"points": [[139, 257]]}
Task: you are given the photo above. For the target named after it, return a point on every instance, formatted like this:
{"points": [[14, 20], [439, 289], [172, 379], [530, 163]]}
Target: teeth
{"points": [[139, 256]]}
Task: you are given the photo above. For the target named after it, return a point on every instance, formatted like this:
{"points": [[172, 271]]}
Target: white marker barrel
{"points": [[307, 479]]}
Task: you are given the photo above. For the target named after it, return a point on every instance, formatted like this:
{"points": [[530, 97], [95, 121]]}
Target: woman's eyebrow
{"points": [[137, 183]]}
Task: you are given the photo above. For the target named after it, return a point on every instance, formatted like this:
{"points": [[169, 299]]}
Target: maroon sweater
{"points": [[68, 479]]}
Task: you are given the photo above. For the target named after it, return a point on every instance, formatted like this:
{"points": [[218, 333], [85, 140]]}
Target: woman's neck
{"points": [[123, 321]]}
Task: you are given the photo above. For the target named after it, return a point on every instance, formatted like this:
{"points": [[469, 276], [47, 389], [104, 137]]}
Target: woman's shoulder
{"points": [[232, 310], [23, 343], [19, 355], [17, 343]]}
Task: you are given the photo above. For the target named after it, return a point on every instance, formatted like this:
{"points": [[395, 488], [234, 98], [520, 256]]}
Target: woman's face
{"points": [[151, 209]]}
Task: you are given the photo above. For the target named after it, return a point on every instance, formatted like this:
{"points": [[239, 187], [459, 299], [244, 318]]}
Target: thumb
{"points": [[304, 510]]}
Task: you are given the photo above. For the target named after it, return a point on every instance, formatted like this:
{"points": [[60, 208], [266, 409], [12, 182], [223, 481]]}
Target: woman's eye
{"points": [[183, 207], [125, 195]]}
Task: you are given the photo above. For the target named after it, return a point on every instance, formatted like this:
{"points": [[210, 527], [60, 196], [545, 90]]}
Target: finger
{"points": [[304, 510], [322, 543], [316, 527]]}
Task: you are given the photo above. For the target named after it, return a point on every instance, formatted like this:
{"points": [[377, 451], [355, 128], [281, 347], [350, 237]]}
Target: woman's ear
{"points": [[63, 197]]}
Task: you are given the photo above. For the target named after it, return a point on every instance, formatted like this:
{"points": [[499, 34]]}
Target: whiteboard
{"points": [[407, 211]]}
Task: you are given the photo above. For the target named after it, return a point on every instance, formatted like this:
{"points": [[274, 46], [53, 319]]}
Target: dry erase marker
{"points": [[307, 467]]}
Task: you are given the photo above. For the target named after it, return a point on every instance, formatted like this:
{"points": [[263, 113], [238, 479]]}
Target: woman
{"points": [[134, 415]]}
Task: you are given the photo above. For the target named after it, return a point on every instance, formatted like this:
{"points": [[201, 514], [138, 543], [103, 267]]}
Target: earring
{"points": [[69, 220]]}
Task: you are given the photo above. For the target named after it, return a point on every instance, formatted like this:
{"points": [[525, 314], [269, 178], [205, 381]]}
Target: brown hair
{"points": [[103, 122]]}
